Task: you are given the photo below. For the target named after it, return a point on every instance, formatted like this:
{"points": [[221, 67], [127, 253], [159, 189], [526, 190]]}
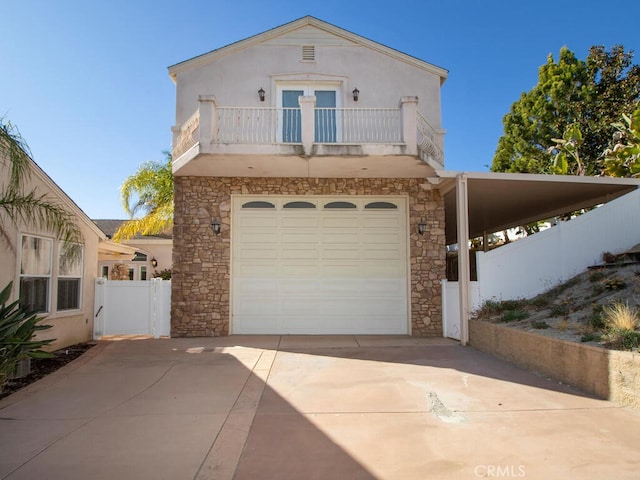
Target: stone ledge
{"points": [[607, 374]]}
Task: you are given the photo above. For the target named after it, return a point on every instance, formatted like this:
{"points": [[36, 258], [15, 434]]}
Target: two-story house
{"points": [[304, 159]]}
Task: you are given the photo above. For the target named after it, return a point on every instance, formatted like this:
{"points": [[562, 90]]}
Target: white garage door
{"points": [[319, 265]]}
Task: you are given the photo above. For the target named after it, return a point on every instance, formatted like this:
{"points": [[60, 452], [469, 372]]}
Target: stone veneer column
{"points": [[200, 285]]}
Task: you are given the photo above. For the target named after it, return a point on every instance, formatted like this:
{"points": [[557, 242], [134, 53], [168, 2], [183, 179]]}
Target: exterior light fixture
{"points": [[261, 93], [356, 94], [154, 262], [215, 225], [422, 227]]}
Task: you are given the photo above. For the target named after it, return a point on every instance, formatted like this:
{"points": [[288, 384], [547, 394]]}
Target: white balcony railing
{"points": [[428, 139], [283, 125], [187, 136], [404, 127], [358, 125]]}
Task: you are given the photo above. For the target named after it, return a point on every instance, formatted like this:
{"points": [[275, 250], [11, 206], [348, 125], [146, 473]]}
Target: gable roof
{"points": [[298, 24], [110, 225]]}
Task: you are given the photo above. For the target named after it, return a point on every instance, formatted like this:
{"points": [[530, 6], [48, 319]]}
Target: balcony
{"points": [[306, 141]]}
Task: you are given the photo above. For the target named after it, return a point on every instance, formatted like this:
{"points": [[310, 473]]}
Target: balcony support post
{"points": [[408, 112], [176, 130], [307, 114], [207, 130]]}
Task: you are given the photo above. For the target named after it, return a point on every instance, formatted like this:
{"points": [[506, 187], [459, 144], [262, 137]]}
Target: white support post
{"points": [[462, 207], [175, 130], [307, 114], [207, 128], [409, 112]]}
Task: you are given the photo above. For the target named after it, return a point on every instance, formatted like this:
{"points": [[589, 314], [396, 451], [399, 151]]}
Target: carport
{"points": [[477, 204]]}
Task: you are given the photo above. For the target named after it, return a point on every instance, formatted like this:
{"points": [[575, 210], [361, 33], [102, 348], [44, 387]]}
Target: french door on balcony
{"points": [[325, 115]]}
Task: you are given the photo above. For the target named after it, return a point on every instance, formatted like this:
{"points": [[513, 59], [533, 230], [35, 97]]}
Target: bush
{"points": [[513, 304], [540, 325], [17, 329], [489, 308], [620, 316], [163, 274], [614, 283], [623, 339], [540, 301], [588, 337], [559, 309], [514, 315], [597, 276], [621, 321]]}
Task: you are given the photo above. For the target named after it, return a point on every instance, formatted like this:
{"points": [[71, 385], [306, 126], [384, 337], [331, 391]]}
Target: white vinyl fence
{"points": [[132, 308], [537, 263], [451, 307]]}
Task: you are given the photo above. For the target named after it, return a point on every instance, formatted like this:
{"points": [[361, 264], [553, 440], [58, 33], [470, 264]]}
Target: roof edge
{"points": [[294, 25]]}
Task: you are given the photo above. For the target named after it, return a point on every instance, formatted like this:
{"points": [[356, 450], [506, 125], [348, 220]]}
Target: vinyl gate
{"points": [[132, 308]]}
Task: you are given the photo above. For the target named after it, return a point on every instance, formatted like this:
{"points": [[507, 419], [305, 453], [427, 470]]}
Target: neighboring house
{"points": [[304, 168], [45, 278], [152, 255]]}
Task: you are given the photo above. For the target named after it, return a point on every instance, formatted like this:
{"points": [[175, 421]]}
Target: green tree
{"points": [[20, 204], [623, 160], [149, 192], [591, 94]]}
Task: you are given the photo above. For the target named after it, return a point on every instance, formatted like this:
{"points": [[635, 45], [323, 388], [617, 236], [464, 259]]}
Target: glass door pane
{"points": [[325, 116], [291, 120]]}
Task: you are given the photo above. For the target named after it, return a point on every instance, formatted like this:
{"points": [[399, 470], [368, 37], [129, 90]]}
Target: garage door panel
{"points": [[257, 221], [342, 269], [330, 237], [259, 324], [257, 253], [313, 271], [387, 268], [260, 237], [248, 286], [297, 221], [298, 269], [382, 237], [339, 252], [299, 237], [252, 306], [263, 268], [298, 286], [289, 252], [382, 221], [337, 287], [384, 287]]}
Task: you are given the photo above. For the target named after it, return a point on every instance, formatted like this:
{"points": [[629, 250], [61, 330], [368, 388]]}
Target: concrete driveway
{"points": [[308, 408]]}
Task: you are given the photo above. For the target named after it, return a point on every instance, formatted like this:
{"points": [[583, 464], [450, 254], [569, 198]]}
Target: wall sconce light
{"points": [[261, 93], [154, 262], [356, 94], [215, 224], [422, 227]]}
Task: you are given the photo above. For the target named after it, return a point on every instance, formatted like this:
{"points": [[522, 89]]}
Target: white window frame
{"points": [[49, 277], [78, 277], [146, 272]]}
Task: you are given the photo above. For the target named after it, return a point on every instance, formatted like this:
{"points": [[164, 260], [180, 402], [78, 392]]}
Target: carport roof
{"points": [[498, 201]]}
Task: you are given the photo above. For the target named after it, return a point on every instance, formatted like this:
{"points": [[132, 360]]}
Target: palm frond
{"points": [[149, 193], [15, 151], [40, 212], [31, 208]]}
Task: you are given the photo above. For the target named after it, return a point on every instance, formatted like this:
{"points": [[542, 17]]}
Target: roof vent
{"points": [[308, 53]]}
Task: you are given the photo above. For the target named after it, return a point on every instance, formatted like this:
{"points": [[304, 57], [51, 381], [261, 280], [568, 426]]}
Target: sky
{"points": [[86, 82]]}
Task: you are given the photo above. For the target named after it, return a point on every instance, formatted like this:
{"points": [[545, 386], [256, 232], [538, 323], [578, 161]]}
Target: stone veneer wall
{"points": [[200, 295]]}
